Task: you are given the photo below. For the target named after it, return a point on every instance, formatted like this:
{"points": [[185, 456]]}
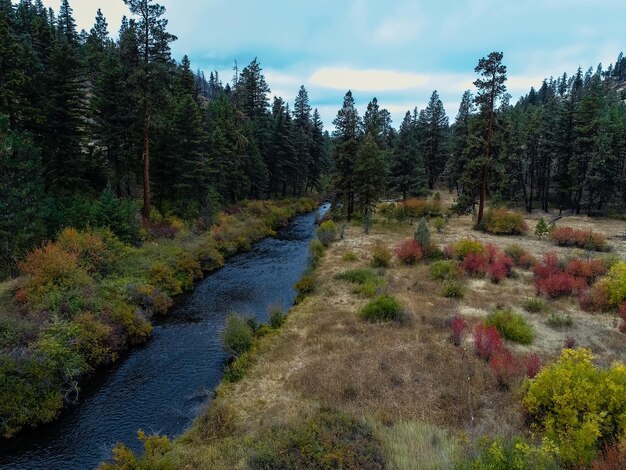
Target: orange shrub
{"points": [[587, 239], [409, 251], [417, 208], [589, 270], [503, 222]]}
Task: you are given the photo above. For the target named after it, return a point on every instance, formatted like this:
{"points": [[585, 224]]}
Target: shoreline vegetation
{"points": [[376, 367], [87, 297]]}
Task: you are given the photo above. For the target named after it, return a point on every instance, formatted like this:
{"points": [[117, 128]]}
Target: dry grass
{"points": [[397, 377]]}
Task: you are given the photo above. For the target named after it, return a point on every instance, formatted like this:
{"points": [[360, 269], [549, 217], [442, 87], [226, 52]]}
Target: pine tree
{"points": [[407, 169], [460, 136], [346, 135], [490, 89], [433, 130], [153, 43], [303, 136], [21, 187], [370, 177]]}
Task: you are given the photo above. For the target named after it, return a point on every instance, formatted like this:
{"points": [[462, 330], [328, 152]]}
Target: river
{"points": [[162, 386]]}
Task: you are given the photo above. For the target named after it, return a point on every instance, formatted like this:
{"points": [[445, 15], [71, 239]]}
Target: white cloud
{"points": [[365, 79]]}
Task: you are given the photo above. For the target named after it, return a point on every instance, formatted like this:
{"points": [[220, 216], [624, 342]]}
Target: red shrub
{"points": [[475, 264], [21, 296], [492, 252], [613, 457], [588, 239], [588, 270], [557, 285], [548, 267], [622, 310], [505, 367], [458, 326], [410, 251], [487, 341], [533, 365], [498, 271], [622, 327], [448, 251]]}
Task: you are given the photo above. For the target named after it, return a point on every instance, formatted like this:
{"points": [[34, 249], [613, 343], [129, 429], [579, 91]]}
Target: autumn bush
{"points": [[381, 256], [552, 280], [615, 282], [417, 208], [503, 222], [487, 341], [466, 246], [458, 325], [505, 367], [577, 405], [475, 264], [409, 251], [587, 239]]}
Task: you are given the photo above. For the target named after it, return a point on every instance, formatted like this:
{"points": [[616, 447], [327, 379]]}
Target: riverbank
{"points": [[330, 389], [87, 297]]}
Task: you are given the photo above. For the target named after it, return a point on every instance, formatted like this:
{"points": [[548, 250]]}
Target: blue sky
{"points": [[397, 50]]}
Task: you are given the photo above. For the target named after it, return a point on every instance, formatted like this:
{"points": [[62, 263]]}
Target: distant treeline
{"points": [[87, 121]]}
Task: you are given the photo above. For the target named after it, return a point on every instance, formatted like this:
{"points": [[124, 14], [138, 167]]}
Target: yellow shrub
{"points": [[616, 283], [162, 276], [578, 405]]}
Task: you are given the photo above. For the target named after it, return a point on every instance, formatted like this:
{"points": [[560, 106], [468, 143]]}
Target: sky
{"points": [[396, 50]]}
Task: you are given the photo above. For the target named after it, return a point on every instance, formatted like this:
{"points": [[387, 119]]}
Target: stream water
{"points": [[162, 386]]}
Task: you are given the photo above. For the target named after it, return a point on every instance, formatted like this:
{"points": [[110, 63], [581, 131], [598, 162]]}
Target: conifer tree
{"points": [[407, 168], [490, 89], [153, 44], [346, 135]]}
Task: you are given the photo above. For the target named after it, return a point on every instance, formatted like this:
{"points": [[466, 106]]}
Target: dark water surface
{"points": [[163, 386]]}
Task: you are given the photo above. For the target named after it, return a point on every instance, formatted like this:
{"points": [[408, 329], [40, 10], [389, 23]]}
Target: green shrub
{"points": [[383, 308], [277, 318], [155, 448], [381, 256], [329, 440], [503, 222], [316, 249], [327, 232], [534, 305], [350, 257], [515, 252], [557, 320], [577, 405], [238, 335], [305, 286], [369, 282], [515, 454], [511, 325], [452, 289], [422, 233], [439, 223], [236, 370], [445, 270]]}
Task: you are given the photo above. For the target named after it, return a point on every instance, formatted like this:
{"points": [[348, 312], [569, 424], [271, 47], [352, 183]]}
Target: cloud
{"points": [[366, 79]]}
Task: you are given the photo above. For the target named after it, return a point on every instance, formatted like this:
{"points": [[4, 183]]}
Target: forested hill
{"points": [[94, 130], [78, 111]]}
